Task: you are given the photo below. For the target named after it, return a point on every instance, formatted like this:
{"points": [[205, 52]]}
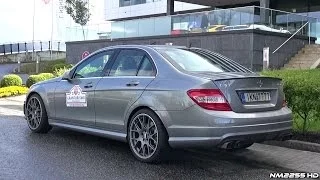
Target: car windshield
{"points": [[195, 59], [189, 61]]}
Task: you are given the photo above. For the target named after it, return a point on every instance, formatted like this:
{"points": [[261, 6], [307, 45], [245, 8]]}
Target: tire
{"points": [[36, 115], [137, 135]]}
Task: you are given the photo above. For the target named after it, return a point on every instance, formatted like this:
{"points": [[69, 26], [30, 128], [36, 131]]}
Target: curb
{"points": [[295, 144]]}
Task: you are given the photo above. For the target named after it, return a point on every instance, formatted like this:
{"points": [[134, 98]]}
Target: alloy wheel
{"points": [[34, 113], [143, 136]]}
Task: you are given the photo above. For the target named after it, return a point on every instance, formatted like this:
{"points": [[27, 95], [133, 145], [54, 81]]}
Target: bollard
{"points": [[37, 65], [19, 66]]}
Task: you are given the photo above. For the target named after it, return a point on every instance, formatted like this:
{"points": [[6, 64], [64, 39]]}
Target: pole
{"points": [[309, 33], [51, 29], [33, 19]]}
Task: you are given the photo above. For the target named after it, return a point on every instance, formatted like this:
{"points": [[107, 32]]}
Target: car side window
{"points": [[127, 63], [93, 67], [146, 68]]}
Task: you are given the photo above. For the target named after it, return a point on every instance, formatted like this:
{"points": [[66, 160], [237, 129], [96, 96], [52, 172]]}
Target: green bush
{"points": [[59, 72], [12, 91], [302, 90], [33, 79], [47, 75], [60, 66], [11, 80]]}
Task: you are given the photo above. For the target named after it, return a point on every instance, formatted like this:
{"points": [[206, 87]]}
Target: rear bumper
{"points": [[196, 127], [252, 136]]}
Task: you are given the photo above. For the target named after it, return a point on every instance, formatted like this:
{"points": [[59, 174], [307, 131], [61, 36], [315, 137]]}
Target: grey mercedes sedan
{"points": [[162, 97]]}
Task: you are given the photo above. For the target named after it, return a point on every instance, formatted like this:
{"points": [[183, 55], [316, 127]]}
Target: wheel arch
{"points": [[136, 109], [42, 99]]}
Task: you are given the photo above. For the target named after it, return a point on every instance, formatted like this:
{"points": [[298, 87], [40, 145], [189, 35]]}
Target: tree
{"points": [[79, 11]]}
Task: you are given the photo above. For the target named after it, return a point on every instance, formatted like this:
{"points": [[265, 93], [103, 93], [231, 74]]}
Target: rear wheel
{"points": [[147, 137], [36, 115]]}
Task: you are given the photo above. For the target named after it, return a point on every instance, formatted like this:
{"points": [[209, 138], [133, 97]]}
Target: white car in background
{"points": [[255, 26]]}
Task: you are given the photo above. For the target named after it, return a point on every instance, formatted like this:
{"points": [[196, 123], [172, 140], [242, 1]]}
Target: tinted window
{"points": [[93, 67], [127, 63], [195, 59], [146, 68], [189, 61]]}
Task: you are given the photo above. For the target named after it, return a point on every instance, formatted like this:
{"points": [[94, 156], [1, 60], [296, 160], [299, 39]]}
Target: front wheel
{"points": [[36, 115], [147, 137]]}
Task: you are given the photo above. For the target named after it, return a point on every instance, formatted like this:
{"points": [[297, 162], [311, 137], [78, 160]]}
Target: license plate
{"points": [[255, 97]]}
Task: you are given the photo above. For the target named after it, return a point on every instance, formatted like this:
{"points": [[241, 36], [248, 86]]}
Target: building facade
{"points": [[124, 9]]}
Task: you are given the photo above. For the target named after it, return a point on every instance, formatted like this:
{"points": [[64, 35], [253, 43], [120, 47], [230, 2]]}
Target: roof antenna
{"points": [[154, 43]]}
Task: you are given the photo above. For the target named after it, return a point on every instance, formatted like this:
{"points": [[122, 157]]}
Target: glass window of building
{"points": [[134, 2]]}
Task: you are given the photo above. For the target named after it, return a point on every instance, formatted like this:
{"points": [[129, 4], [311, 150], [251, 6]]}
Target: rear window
{"points": [[200, 60], [188, 60]]}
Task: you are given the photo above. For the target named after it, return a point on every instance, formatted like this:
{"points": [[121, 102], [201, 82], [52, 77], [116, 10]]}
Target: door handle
{"points": [[88, 85], [133, 83]]}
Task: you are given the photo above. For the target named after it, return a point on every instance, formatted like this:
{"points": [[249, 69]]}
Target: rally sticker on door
{"points": [[76, 98]]}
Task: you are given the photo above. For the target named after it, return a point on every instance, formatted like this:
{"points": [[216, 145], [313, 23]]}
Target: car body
{"points": [[191, 97], [255, 26]]}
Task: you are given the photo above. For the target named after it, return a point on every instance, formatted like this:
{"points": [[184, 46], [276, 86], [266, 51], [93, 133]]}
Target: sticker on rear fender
{"points": [[76, 98]]}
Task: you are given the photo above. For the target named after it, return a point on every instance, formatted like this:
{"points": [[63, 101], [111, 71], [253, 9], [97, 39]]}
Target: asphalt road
{"points": [[62, 154]]}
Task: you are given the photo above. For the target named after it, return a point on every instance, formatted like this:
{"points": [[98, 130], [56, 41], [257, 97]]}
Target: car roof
{"points": [[146, 46]]}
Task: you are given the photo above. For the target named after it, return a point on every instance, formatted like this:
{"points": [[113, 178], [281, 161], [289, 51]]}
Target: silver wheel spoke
{"points": [[33, 113], [143, 134]]}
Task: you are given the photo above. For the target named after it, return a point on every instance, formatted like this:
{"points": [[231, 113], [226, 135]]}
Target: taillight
{"points": [[211, 99]]}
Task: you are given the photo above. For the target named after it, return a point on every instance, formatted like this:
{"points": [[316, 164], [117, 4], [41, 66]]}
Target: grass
{"points": [[313, 125], [44, 66]]}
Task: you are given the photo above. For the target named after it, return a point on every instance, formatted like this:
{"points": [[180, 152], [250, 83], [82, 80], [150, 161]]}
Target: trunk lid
{"points": [[248, 92]]}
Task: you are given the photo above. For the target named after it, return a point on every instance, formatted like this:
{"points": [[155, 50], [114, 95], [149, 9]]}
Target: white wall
{"points": [[113, 11]]}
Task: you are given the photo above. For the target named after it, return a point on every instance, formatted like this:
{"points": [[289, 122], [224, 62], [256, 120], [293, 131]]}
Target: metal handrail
{"points": [[292, 37]]}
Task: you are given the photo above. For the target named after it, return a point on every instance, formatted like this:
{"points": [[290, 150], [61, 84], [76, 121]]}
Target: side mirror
{"points": [[66, 76]]}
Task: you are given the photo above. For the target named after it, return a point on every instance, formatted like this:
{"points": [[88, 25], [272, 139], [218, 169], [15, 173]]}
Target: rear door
{"points": [[74, 99], [132, 71]]}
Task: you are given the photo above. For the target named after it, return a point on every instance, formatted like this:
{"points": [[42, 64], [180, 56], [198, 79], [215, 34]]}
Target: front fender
{"points": [[46, 92]]}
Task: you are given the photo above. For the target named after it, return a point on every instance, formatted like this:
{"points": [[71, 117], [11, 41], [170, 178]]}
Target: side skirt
{"points": [[89, 130]]}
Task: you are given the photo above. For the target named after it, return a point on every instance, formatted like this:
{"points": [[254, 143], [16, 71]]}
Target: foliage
{"points": [[11, 80], [302, 90], [12, 91], [79, 12], [47, 75], [60, 66], [59, 72], [33, 79], [44, 66]]}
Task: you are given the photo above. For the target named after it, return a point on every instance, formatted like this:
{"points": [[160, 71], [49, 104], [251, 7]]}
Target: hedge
{"points": [[38, 78], [59, 72], [12, 91], [302, 91], [11, 80], [60, 66]]}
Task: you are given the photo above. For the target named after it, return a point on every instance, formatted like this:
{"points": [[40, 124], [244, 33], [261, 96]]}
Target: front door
{"points": [[130, 74], [74, 99]]}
